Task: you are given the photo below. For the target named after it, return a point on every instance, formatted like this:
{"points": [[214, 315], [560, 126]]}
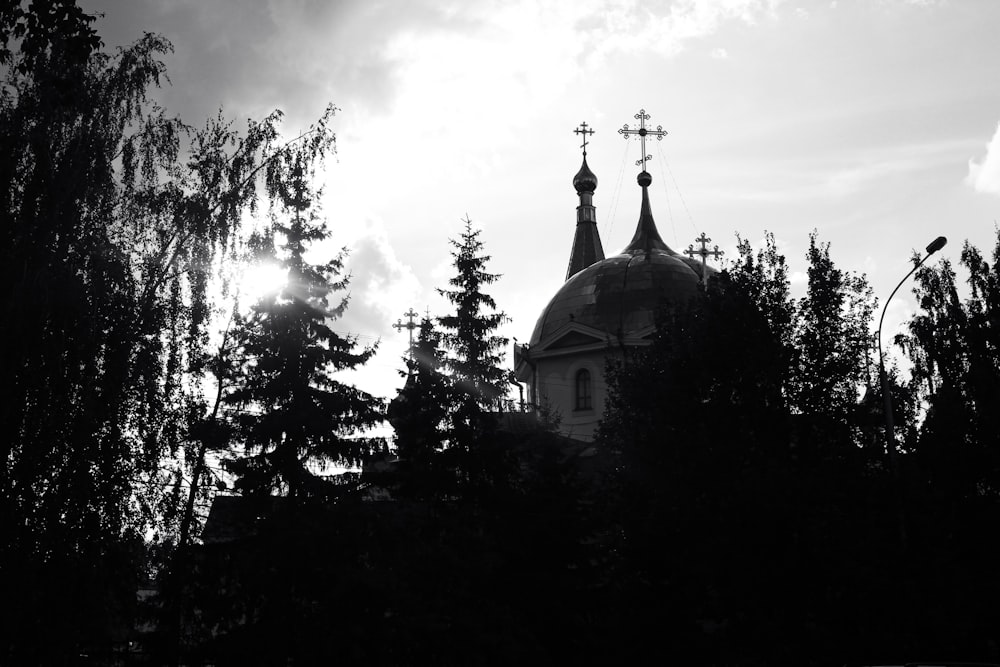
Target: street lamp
{"points": [[890, 432]]}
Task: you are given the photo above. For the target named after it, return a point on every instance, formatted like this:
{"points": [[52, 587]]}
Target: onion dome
{"points": [[587, 247], [621, 295], [585, 181]]}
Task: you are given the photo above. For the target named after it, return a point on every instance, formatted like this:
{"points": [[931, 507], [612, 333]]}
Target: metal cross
{"points": [[659, 133], [410, 325], [703, 252], [584, 131]]}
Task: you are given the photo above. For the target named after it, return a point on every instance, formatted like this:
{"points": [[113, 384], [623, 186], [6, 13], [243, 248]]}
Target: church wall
{"points": [[556, 379]]}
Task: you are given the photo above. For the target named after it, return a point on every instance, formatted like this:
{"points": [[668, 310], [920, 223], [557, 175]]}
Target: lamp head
{"points": [[936, 245]]}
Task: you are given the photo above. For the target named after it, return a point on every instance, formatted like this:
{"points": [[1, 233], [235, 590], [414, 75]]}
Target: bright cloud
{"points": [[382, 287], [984, 176], [631, 26]]}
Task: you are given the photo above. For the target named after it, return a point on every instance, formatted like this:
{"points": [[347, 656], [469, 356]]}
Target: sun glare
{"points": [[262, 279]]}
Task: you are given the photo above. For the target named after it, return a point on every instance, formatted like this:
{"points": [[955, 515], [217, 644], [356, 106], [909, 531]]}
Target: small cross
{"points": [[659, 133], [703, 252], [410, 325], [584, 131]]}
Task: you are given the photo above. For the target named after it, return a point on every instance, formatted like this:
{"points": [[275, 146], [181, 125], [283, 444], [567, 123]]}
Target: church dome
{"points": [[621, 295], [585, 180]]}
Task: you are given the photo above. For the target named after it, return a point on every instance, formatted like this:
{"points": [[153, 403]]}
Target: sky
{"points": [[874, 122]]}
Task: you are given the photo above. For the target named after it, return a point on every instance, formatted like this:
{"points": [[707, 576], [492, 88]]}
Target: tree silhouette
{"points": [[295, 416], [476, 350], [114, 216], [832, 337], [723, 508], [420, 410], [954, 346]]}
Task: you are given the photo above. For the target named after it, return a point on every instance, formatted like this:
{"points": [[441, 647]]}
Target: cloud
{"points": [[250, 58], [984, 176], [720, 54], [382, 287], [442, 67], [634, 26]]}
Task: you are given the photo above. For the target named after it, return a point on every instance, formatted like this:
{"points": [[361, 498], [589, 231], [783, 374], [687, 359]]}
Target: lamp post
{"points": [[890, 433]]}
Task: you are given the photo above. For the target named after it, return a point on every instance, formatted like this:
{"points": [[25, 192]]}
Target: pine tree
{"points": [[480, 461], [295, 416], [476, 350]]}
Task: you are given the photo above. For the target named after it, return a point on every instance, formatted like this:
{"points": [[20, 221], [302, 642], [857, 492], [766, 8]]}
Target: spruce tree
{"points": [[470, 334], [420, 416], [295, 416], [477, 456], [419, 412]]}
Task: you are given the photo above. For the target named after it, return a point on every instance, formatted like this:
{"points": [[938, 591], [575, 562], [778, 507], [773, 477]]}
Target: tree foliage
{"points": [[476, 351], [954, 346], [733, 512], [750, 496], [739, 466], [296, 419], [419, 413], [832, 338], [114, 216], [43, 27]]}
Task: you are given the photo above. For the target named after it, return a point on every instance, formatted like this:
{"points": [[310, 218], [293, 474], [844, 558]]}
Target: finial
{"points": [[584, 131], [642, 131]]}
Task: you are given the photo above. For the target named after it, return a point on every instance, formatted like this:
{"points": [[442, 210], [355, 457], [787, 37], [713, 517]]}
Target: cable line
{"points": [[677, 187]]}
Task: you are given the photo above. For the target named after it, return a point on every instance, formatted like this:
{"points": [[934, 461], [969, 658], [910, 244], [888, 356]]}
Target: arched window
{"points": [[583, 390]]}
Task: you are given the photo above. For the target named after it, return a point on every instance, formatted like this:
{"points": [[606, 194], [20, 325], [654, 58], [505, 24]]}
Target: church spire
{"points": [[646, 237], [587, 247]]}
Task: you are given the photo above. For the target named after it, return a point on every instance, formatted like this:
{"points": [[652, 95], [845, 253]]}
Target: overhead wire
{"points": [[680, 194], [616, 194], [666, 194]]}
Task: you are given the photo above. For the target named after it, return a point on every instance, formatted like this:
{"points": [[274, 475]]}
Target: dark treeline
{"points": [[761, 501], [738, 507]]}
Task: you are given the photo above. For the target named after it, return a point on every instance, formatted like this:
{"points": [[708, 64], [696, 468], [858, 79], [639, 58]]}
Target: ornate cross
{"points": [[584, 131], [703, 252], [659, 133], [410, 325]]}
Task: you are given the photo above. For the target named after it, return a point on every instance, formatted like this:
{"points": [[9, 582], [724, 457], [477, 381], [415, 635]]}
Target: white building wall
{"points": [[556, 385]]}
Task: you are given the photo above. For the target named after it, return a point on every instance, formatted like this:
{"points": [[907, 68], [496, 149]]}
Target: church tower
{"points": [[605, 307], [586, 241]]}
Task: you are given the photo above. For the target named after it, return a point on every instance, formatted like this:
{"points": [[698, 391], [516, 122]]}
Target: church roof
{"points": [[620, 295]]}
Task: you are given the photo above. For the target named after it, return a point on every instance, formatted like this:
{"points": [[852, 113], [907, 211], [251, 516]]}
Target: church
{"points": [[606, 306]]}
